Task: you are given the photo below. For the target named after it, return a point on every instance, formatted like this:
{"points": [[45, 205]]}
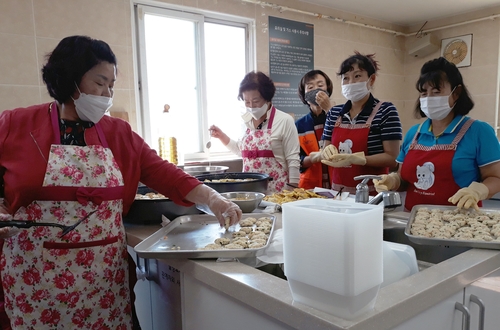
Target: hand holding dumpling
{"points": [[343, 160]]}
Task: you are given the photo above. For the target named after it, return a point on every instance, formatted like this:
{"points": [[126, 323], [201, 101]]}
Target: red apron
{"points": [[428, 171], [351, 138], [78, 281], [258, 156], [317, 174]]}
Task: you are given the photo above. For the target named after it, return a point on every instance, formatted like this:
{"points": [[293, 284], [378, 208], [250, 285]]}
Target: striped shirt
{"points": [[385, 125]]}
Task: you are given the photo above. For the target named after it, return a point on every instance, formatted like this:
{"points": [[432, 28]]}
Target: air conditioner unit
{"points": [[423, 46]]}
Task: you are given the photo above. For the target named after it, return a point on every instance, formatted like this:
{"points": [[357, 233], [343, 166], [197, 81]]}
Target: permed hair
{"points": [[260, 82], [435, 73], [364, 62], [69, 61], [310, 75]]}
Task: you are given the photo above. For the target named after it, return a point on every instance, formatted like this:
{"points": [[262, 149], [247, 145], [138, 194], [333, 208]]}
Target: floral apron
{"points": [[258, 156], [78, 281], [355, 138], [428, 171]]}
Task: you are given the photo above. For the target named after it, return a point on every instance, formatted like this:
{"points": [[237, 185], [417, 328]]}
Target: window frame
{"points": [[139, 9]]}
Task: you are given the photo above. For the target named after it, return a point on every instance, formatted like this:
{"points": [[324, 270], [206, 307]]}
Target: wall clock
{"points": [[458, 50]]}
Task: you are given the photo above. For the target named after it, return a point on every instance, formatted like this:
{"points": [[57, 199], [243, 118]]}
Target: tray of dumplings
{"points": [[450, 226], [200, 236]]}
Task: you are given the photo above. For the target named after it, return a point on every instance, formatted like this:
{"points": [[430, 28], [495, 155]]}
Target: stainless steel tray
{"points": [[451, 241], [182, 238]]}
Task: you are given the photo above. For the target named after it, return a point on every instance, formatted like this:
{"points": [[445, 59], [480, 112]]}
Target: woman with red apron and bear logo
{"points": [[449, 159], [363, 135]]}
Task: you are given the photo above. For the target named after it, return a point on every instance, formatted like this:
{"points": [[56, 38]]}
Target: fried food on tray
{"points": [[291, 196]]}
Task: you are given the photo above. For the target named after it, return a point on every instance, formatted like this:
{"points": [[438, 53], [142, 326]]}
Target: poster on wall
{"points": [[291, 55]]}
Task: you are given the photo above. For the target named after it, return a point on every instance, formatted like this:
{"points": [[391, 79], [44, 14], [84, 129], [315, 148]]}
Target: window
{"points": [[193, 63]]}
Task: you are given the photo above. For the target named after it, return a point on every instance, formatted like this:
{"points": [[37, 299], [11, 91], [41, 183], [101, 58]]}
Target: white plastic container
{"points": [[405, 265], [332, 254]]}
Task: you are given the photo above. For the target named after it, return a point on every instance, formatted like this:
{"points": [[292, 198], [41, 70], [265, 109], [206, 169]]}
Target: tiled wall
{"points": [[31, 28]]}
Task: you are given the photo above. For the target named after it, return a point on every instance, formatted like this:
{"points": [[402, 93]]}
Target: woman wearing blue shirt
{"points": [[447, 139]]}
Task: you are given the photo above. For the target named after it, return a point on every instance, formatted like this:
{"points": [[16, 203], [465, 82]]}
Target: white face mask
{"points": [[92, 107], [258, 112], [436, 107], [355, 91]]}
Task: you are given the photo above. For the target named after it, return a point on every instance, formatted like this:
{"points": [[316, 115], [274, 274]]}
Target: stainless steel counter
{"points": [[395, 303]]}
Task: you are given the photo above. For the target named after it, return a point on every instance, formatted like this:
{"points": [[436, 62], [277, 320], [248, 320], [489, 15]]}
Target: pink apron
{"points": [[353, 138], [258, 156], [428, 171], [78, 281]]}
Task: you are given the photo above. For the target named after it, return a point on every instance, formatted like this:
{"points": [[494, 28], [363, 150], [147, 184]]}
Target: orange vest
{"points": [[313, 176]]}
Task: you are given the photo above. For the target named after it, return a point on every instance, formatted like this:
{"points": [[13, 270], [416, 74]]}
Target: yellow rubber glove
{"points": [[315, 156], [328, 152], [343, 160], [468, 197], [390, 181]]}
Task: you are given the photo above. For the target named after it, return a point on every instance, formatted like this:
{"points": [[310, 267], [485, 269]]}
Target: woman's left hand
{"points": [[224, 210], [470, 196]]}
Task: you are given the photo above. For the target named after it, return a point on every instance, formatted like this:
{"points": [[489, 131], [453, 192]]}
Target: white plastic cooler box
{"points": [[333, 254]]}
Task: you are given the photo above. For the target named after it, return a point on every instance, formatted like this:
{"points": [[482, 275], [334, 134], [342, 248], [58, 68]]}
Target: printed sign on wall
{"points": [[291, 55]]}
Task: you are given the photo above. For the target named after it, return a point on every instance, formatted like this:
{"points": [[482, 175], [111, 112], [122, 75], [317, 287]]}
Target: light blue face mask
{"points": [[92, 107]]}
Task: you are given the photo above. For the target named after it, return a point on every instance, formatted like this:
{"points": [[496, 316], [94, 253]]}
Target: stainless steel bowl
{"points": [[198, 170], [246, 200]]}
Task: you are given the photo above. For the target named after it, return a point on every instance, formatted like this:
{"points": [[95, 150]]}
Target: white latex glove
{"points": [[469, 196], [224, 210], [315, 156], [329, 151], [7, 232], [343, 160], [390, 181]]}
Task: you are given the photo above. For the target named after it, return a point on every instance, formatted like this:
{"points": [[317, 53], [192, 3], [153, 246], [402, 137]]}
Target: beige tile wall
{"points": [[31, 28]]}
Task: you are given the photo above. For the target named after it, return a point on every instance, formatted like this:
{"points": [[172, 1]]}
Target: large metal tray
{"points": [[182, 238], [443, 241]]}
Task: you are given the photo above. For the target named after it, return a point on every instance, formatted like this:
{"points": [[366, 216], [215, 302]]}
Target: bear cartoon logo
{"points": [[425, 176], [345, 147]]}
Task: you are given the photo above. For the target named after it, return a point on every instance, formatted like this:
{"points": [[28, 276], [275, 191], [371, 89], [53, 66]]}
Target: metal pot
{"points": [[150, 211], [258, 184], [199, 170]]}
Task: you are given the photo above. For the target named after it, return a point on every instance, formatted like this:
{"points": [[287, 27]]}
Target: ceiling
{"points": [[407, 12]]}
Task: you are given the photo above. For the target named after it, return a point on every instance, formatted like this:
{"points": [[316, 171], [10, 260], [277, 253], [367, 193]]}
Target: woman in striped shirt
{"points": [[363, 135]]}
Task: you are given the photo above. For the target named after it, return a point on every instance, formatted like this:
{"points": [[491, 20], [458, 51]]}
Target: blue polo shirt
{"points": [[478, 147]]}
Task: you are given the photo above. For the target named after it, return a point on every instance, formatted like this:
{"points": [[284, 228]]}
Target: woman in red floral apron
{"points": [[64, 161], [63, 279], [258, 156], [271, 142]]}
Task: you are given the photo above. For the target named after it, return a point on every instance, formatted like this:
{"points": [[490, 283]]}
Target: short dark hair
{"points": [[69, 61], [437, 71], [364, 62], [310, 75], [258, 81]]}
